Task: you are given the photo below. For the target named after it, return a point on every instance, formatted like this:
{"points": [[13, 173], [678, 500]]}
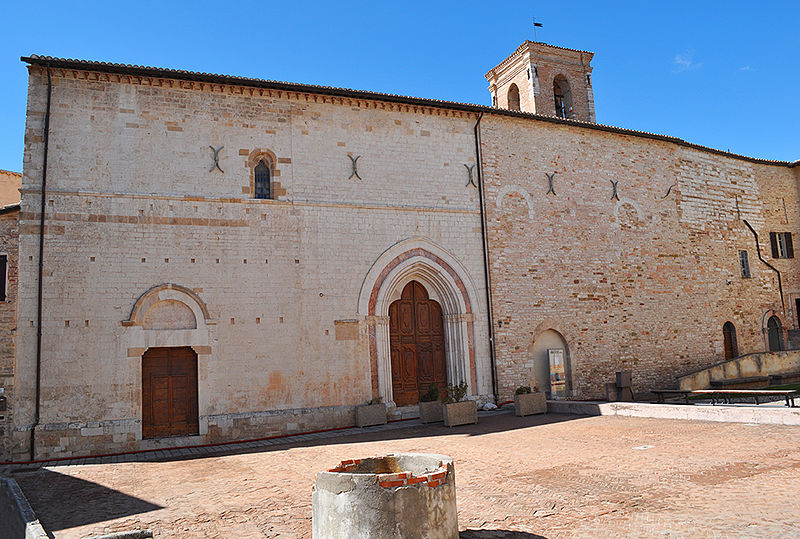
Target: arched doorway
{"points": [[774, 337], [169, 392], [729, 341], [550, 350], [416, 335]]}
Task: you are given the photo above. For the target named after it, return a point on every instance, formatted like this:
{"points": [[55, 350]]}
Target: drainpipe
{"points": [[486, 273], [41, 270], [770, 266]]}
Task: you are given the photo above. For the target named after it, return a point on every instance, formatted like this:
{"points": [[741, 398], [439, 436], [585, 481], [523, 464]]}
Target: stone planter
{"points": [[530, 403], [391, 497], [430, 412], [460, 413], [371, 414]]}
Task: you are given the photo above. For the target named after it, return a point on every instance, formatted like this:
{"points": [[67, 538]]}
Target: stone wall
{"points": [[9, 245], [276, 284], [645, 282]]}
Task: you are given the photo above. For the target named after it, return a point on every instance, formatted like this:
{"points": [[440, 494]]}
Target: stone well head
{"points": [[394, 496]]}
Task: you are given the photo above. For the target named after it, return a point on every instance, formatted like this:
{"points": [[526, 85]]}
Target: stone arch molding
{"points": [[509, 189], [168, 315], [446, 281]]}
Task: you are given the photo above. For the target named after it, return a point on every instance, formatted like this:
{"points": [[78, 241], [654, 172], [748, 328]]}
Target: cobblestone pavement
{"points": [[541, 476]]}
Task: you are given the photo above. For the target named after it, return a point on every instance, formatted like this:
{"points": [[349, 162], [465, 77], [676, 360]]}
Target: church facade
{"points": [[226, 258]]}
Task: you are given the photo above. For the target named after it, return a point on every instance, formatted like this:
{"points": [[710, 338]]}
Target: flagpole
{"points": [[536, 25]]}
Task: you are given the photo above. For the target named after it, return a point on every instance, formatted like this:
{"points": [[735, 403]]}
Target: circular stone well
{"points": [[401, 495]]}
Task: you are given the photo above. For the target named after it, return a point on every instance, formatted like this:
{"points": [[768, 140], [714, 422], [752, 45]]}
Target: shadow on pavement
{"points": [[487, 424], [498, 534], [88, 502]]}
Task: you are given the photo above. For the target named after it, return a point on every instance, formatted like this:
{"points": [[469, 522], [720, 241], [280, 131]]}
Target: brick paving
{"points": [[542, 476]]}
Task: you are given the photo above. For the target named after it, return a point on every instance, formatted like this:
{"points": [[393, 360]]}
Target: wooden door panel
{"points": [[416, 344], [169, 392], [406, 318]]}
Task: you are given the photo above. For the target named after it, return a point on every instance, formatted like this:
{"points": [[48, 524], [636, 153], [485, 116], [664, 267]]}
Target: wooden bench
{"points": [[724, 395], [660, 393]]}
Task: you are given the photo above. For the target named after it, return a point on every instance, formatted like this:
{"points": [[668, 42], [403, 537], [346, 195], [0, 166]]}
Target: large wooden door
{"points": [[169, 392], [416, 334]]}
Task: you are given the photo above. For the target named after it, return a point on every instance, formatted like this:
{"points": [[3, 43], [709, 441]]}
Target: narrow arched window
{"points": [[562, 96], [729, 341], [513, 98], [774, 337], [262, 180]]}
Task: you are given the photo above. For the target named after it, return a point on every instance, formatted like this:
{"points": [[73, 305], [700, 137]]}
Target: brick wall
{"points": [[645, 282]]}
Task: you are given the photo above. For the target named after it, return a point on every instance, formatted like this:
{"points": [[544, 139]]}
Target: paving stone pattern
{"points": [[539, 476]]}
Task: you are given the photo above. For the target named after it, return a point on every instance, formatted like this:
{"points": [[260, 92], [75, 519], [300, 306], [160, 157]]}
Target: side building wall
{"points": [[287, 298], [641, 281], [9, 246]]}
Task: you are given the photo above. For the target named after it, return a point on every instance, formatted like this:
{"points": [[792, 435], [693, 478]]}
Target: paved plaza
{"points": [[541, 476]]}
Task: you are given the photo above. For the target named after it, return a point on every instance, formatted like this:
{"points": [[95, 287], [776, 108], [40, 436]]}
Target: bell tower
{"points": [[545, 79]]}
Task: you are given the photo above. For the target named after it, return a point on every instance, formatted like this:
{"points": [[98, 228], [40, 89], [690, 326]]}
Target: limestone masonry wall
{"points": [[645, 282], [132, 205]]}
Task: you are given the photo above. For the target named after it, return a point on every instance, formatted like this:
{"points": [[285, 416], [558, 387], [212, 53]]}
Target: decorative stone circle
{"points": [[394, 496]]}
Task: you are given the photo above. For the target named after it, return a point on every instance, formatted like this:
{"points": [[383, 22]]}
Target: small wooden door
{"points": [[774, 336], [729, 341], [416, 334], [169, 392]]}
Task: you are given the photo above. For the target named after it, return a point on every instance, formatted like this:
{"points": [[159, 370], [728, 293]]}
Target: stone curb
{"points": [[721, 413]]}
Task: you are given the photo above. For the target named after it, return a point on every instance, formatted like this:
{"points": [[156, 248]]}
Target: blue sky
{"points": [[721, 74]]}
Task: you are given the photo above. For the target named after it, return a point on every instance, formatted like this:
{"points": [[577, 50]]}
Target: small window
{"points": [[262, 180], [494, 100], [744, 264], [781, 243], [3, 266]]}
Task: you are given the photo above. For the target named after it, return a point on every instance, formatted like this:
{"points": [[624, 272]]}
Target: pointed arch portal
{"points": [[438, 282]]}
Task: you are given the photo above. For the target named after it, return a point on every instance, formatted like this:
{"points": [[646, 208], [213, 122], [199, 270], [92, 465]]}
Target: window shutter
{"points": [[789, 247], [773, 241]]}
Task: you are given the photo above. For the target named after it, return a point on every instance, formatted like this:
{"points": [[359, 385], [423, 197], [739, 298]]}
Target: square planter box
{"points": [[430, 412], [371, 414], [460, 413], [530, 403]]}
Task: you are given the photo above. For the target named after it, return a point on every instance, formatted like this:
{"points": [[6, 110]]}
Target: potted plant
{"points": [[529, 402], [372, 413], [430, 409], [457, 410]]}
